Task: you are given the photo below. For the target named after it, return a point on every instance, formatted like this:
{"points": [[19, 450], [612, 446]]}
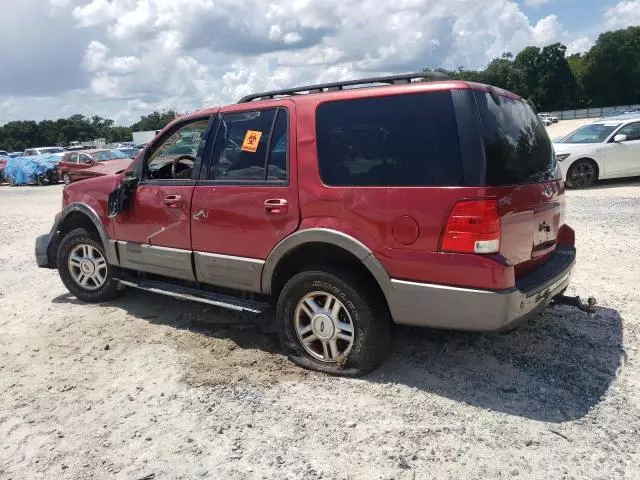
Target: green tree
{"points": [[612, 69], [154, 121]]}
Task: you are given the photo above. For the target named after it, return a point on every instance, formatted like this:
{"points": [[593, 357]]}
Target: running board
{"points": [[195, 295]]}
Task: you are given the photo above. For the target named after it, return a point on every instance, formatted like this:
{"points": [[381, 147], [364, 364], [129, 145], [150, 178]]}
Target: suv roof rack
{"points": [[335, 86]]}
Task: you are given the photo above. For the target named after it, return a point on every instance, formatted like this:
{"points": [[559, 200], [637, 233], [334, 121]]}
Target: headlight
{"points": [[562, 156]]}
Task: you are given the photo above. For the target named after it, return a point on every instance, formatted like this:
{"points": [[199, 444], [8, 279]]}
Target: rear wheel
{"points": [[333, 321], [84, 269], [66, 179], [582, 174]]}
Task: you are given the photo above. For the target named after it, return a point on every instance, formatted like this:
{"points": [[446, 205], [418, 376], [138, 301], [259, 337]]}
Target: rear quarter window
{"points": [[401, 140], [517, 147]]}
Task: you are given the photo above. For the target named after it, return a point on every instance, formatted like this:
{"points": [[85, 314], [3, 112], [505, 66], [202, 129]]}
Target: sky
{"points": [[121, 59]]}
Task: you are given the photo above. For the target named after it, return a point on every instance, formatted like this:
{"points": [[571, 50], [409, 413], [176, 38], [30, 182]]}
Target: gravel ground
{"points": [[151, 387]]}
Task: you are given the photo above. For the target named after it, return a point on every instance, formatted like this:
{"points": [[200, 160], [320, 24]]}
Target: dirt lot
{"points": [[150, 387]]}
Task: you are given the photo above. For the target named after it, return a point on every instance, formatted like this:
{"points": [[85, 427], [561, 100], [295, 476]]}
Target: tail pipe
{"points": [[589, 307]]}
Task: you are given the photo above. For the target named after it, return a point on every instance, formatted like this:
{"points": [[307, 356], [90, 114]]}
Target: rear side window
{"points": [[517, 146], [402, 140], [251, 147]]}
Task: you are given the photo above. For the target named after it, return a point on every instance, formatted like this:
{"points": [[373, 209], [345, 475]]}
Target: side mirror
{"points": [[130, 181], [120, 198], [620, 138]]}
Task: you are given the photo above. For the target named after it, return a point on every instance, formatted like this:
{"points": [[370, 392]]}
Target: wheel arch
{"points": [[80, 215], [334, 245]]}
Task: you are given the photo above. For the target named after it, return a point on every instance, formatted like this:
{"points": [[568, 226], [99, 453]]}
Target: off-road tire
{"points": [[364, 303], [79, 236]]}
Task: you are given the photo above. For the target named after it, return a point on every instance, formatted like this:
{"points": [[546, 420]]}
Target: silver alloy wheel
{"points": [[66, 179], [87, 267], [324, 327]]}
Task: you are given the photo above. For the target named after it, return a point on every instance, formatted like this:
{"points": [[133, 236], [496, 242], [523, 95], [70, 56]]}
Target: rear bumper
{"points": [[455, 308]]}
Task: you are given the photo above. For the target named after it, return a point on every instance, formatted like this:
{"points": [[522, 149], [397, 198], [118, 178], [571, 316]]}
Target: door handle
{"points": [[173, 201], [276, 206]]}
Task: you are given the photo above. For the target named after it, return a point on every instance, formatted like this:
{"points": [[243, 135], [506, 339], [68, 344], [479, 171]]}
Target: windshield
{"points": [[593, 133], [108, 155], [517, 146]]}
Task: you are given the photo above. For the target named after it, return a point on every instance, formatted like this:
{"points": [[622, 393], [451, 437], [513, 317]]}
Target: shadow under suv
{"points": [[433, 203]]}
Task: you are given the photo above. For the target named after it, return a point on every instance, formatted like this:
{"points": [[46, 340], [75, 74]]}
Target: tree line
{"points": [[20, 135], [607, 75]]}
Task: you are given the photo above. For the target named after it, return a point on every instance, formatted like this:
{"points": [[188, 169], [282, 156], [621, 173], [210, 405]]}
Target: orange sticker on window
{"points": [[251, 141]]}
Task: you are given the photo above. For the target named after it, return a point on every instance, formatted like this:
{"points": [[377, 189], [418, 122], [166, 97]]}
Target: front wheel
{"points": [[83, 267], [333, 321], [66, 179], [582, 174]]}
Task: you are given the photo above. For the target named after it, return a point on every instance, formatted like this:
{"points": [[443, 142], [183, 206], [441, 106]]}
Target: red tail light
{"points": [[473, 226]]}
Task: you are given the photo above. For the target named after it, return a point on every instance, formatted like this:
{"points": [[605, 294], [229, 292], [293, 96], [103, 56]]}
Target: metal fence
{"points": [[593, 112]]}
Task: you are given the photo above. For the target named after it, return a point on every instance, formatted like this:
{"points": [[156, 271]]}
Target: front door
{"points": [[154, 233], [248, 201], [624, 158]]}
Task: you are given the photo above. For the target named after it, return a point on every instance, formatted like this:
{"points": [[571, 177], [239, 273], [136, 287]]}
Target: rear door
{"points": [[521, 172], [247, 200]]}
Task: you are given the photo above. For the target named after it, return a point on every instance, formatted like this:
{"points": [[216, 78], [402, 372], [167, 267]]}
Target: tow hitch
{"points": [[589, 307]]}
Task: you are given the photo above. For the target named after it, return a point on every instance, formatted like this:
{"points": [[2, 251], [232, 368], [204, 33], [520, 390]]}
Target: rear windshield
{"points": [[517, 146], [403, 140]]}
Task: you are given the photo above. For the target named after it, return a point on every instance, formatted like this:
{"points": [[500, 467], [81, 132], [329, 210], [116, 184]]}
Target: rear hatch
{"points": [[522, 174]]}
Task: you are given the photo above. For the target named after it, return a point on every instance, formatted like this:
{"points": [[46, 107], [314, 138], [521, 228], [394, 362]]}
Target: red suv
{"points": [[431, 203]]}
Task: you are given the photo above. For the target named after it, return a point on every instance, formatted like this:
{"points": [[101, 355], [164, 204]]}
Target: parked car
{"points": [[435, 204], [40, 169], [546, 121], [15, 154], [82, 164], [548, 118], [606, 148], [32, 152]]}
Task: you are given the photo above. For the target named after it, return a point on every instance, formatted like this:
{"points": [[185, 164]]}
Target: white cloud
{"points": [[579, 45], [624, 14], [548, 30], [535, 3], [144, 54]]}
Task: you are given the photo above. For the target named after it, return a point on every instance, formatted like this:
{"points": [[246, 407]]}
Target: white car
{"points": [[607, 148], [547, 119], [42, 151]]}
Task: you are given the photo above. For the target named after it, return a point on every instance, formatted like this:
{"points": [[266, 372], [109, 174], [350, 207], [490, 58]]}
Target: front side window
{"points": [[632, 131], [403, 140], [174, 157], [250, 147]]}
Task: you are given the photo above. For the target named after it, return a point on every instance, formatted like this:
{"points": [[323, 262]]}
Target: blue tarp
{"points": [[24, 170]]}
